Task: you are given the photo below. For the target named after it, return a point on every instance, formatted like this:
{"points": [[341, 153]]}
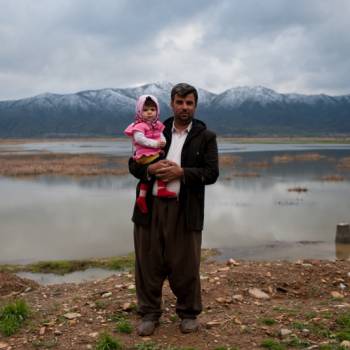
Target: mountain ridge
{"points": [[238, 111]]}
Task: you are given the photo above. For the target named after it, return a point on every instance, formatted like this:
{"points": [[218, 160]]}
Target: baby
{"points": [[148, 140]]}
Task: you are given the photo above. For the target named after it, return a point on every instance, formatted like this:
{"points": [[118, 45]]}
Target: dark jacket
{"points": [[199, 159]]}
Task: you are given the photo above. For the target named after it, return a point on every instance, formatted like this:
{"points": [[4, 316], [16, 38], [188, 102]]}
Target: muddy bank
{"points": [[246, 304]]}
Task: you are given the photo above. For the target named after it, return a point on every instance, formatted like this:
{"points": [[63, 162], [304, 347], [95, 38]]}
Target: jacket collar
{"points": [[196, 126]]}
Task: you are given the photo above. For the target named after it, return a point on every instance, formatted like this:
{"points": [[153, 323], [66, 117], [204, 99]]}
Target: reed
{"points": [[62, 164]]}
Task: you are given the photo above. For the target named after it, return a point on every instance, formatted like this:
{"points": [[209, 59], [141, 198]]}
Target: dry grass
{"points": [[333, 178], [228, 160], [287, 158], [68, 139], [246, 174], [259, 164], [62, 164], [344, 163], [297, 189]]}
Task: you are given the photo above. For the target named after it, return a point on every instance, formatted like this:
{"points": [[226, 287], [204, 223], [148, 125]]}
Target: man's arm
{"points": [[209, 172], [206, 175], [145, 172]]}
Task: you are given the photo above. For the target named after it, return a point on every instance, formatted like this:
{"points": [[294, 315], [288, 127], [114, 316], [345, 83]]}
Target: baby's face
{"points": [[149, 113]]}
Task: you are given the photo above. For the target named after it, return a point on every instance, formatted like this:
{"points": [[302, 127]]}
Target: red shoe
{"points": [[163, 192], [141, 203]]}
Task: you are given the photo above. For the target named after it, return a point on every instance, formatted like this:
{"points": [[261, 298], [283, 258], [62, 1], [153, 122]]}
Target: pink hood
{"points": [[139, 107]]}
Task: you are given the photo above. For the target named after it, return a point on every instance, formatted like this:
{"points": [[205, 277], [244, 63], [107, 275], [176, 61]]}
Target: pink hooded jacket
{"points": [[152, 129]]}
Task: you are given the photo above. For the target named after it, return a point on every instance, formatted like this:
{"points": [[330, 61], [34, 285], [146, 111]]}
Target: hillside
{"points": [[240, 111]]}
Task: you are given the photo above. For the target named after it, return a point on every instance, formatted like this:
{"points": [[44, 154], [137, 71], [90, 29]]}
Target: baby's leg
{"points": [[141, 199], [162, 191]]}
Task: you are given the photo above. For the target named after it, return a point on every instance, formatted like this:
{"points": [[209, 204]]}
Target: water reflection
{"points": [[67, 218], [91, 274], [342, 251]]}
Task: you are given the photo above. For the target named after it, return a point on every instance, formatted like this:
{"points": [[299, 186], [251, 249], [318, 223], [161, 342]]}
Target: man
{"points": [[168, 238]]}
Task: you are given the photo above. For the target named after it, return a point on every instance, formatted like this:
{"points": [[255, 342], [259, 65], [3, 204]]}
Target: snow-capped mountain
{"points": [[236, 111]]}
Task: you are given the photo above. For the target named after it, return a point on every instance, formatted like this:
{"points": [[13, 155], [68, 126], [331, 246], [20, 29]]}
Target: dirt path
{"points": [[304, 301]]}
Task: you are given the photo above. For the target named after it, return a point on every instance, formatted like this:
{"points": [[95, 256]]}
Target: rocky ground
{"points": [[247, 305]]}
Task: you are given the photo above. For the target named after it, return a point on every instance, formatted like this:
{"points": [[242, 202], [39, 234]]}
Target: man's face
{"points": [[183, 108]]}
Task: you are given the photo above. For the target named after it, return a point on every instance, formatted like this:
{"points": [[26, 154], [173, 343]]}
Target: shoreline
{"points": [[239, 139]]}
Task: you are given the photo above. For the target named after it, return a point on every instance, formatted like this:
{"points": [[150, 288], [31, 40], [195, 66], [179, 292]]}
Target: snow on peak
{"points": [[238, 95]]}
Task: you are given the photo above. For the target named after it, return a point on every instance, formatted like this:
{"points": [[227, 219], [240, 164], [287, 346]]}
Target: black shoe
{"points": [[147, 327], [189, 325]]}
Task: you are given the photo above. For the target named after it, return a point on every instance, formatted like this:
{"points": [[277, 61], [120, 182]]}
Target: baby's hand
{"points": [[162, 143]]}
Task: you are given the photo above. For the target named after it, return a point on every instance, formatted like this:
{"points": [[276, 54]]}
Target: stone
{"points": [[342, 286], [345, 344], [232, 262], [106, 295], [93, 334], [222, 300], [42, 330], [131, 286], [284, 332], [3, 345], [127, 306], [337, 295], [237, 297], [258, 293], [224, 269], [72, 315], [212, 324]]}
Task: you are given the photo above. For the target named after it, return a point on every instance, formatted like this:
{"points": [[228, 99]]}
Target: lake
{"points": [[249, 213]]}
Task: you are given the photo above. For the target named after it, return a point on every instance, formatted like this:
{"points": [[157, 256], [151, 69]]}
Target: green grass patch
{"points": [[296, 342], [45, 343], [299, 325], [343, 335], [331, 347], [12, 316], [107, 342], [342, 328], [343, 320], [147, 346], [320, 330], [124, 326], [101, 304], [272, 344], [268, 321], [62, 267], [174, 318], [327, 314], [311, 314]]}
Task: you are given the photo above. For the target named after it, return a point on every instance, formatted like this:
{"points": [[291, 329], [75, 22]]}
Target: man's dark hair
{"points": [[184, 89]]}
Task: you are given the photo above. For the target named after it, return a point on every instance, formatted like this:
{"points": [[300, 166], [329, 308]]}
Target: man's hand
{"points": [[153, 168], [169, 172]]}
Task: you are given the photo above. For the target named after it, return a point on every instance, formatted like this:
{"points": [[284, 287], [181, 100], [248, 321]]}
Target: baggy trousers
{"points": [[165, 249]]}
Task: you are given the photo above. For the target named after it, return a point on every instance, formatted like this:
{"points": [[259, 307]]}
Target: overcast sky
{"points": [[65, 46]]}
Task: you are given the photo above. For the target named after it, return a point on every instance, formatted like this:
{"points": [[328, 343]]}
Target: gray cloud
{"points": [[70, 45]]}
